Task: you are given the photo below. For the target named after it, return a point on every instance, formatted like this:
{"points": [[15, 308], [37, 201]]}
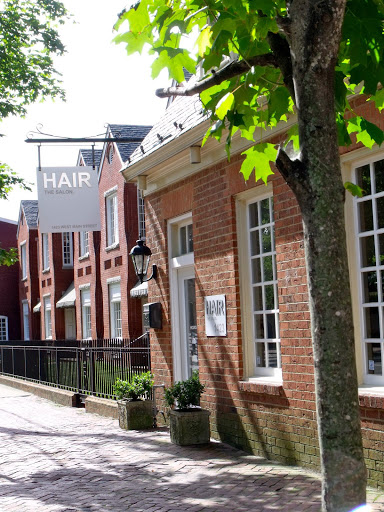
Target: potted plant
{"points": [[189, 424], [136, 411]]}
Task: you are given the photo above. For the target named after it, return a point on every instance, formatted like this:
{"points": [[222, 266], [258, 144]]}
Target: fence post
{"points": [[57, 368], [78, 370], [92, 370], [25, 362]]}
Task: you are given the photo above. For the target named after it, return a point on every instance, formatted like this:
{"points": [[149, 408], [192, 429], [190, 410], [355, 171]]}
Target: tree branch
{"points": [[294, 173], [233, 69], [281, 50]]}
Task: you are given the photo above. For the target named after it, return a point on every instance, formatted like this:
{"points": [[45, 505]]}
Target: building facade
{"points": [[9, 296], [233, 288]]}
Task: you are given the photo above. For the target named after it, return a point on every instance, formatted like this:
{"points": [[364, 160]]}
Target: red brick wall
{"points": [[9, 276], [273, 421]]}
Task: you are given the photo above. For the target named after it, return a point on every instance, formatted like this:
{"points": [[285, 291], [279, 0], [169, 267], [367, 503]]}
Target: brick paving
{"points": [[55, 458]]}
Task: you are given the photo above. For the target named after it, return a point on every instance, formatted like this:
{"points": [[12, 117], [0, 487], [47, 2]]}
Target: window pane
{"points": [[374, 359], [253, 215], [365, 216], [370, 287], [367, 244], [183, 240], [272, 355], [266, 239], [364, 179], [379, 176], [267, 268], [372, 322], [271, 326], [380, 212], [257, 298], [255, 243], [259, 326], [269, 296], [256, 271], [264, 207], [260, 355], [190, 238]]}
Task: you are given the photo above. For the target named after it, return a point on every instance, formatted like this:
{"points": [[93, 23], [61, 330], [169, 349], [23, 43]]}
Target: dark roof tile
{"points": [[88, 159], [128, 130], [31, 212]]}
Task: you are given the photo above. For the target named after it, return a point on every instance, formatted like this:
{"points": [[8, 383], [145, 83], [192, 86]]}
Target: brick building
{"points": [[216, 238], [29, 293], [9, 296]]}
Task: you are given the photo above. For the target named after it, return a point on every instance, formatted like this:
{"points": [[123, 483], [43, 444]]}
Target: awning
{"points": [[139, 290], [37, 308], [68, 299]]}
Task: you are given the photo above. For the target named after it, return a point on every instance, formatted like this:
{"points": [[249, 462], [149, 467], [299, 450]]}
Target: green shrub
{"points": [[185, 394], [136, 389]]}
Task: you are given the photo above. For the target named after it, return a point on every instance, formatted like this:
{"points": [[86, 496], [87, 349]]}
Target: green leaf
{"points": [[354, 189], [225, 104], [259, 158]]}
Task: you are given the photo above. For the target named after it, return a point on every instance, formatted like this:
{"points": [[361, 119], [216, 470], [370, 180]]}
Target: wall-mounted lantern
{"points": [[141, 254]]}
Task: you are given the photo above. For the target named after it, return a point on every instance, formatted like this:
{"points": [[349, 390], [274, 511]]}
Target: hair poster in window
{"points": [[215, 315], [68, 199]]}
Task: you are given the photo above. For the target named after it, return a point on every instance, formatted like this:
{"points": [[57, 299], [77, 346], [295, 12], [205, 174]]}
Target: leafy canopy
{"points": [[228, 32]]}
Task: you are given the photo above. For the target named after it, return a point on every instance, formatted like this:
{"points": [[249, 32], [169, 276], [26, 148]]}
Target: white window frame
{"points": [[115, 319], [45, 251], [141, 214], [83, 244], [112, 218], [67, 248], [368, 378], [23, 258], [250, 342], [86, 312], [4, 335], [26, 332], [47, 317]]}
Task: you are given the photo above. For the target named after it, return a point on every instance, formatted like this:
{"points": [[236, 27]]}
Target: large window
{"points": [[115, 310], [112, 219], [23, 258], [369, 211], [84, 243], [264, 298], [67, 249], [86, 319], [47, 318], [45, 251], [3, 328], [26, 320]]}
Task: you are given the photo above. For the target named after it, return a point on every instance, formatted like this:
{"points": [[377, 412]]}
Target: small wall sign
{"points": [[215, 315]]}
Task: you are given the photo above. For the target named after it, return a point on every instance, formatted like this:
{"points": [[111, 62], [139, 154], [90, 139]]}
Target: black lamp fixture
{"points": [[141, 254]]}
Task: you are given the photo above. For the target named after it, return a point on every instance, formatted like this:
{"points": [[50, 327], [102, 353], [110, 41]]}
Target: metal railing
{"points": [[87, 367]]}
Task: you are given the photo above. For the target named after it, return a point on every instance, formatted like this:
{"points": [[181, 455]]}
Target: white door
{"points": [[188, 351], [70, 324]]}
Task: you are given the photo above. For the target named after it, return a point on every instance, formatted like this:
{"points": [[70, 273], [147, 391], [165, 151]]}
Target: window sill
{"points": [[84, 256], [24, 279], [112, 247], [262, 385], [371, 396], [67, 266], [46, 270]]}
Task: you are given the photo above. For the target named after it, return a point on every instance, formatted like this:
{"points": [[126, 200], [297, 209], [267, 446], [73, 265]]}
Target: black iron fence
{"points": [[87, 367]]}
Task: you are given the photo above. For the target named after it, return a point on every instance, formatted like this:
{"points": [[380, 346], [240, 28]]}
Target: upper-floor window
{"points": [[23, 259], [86, 318], [47, 318], [111, 152], [45, 251], [112, 219], [3, 328], [84, 243], [369, 210], [67, 249], [141, 213], [185, 239]]}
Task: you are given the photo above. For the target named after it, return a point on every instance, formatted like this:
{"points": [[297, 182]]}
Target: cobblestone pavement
{"points": [[55, 458]]}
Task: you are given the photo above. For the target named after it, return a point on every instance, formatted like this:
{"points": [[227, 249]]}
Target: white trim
{"points": [[84, 286], [70, 239], [45, 251], [3, 317], [23, 258], [112, 280], [26, 331], [112, 220], [46, 295], [9, 221], [110, 191]]}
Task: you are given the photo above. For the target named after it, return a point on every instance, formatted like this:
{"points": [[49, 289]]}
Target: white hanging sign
{"points": [[68, 199], [215, 315]]}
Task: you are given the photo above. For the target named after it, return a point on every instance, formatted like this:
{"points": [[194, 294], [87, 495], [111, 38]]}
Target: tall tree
{"points": [[262, 61], [28, 42]]}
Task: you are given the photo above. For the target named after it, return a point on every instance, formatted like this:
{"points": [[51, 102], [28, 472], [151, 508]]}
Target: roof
{"points": [[8, 221], [183, 114], [31, 212], [128, 130], [88, 158]]}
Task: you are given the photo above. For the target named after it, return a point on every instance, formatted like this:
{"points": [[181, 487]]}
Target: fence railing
{"points": [[87, 367]]}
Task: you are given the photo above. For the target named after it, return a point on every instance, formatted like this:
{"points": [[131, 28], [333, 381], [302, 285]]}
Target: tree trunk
{"points": [[314, 35]]}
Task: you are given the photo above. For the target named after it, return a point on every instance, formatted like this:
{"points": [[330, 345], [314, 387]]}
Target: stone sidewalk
{"points": [[54, 458]]}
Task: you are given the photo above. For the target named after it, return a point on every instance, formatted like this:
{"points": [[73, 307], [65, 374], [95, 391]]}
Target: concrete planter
{"points": [[136, 415], [190, 427]]}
